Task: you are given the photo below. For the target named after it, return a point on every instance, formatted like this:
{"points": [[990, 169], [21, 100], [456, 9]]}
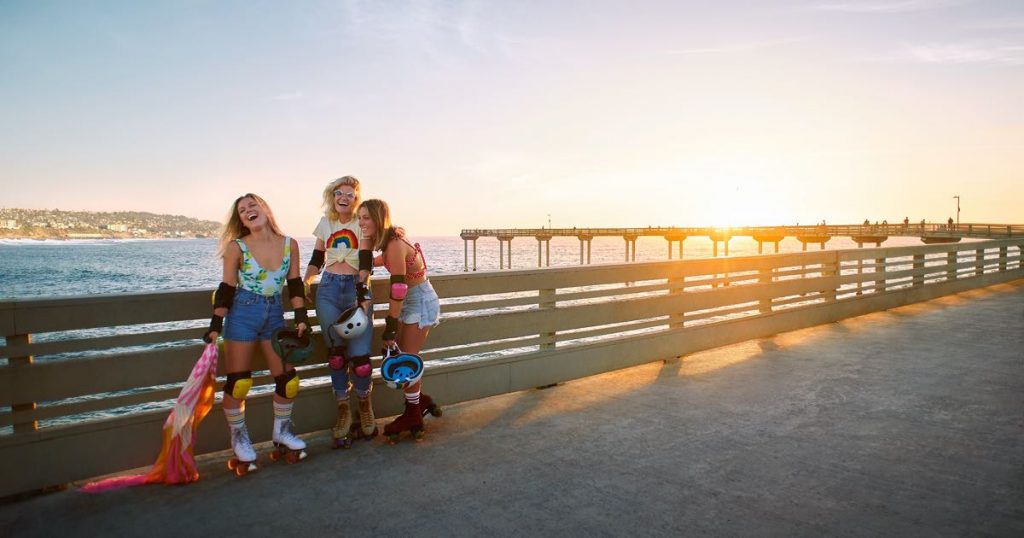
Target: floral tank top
{"points": [[252, 277]]}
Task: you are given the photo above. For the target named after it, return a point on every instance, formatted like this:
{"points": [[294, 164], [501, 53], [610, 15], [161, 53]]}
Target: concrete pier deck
{"points": [[907, 422]]}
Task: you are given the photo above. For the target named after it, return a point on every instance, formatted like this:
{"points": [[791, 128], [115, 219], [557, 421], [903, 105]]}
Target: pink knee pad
{"points": [[336, 362], [364, 370]]}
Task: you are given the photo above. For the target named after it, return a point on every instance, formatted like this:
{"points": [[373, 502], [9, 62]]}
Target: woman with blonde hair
{"points": [[343, 259], [413, 306], [259, 261]]}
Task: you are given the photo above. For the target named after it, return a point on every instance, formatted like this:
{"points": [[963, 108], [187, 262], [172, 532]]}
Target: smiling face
{"points": [[345, 200], [251, 213], [341, 198], [366, 223]]}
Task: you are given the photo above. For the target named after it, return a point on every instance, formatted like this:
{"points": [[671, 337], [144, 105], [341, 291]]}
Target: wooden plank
{"points": [[88, 312], [103, 342]]}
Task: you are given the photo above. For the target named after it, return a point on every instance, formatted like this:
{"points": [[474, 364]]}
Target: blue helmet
{"points": [[401, 370]]}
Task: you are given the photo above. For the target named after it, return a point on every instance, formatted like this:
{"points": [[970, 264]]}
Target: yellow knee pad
{"points": [[287, 384], [238, 384]]}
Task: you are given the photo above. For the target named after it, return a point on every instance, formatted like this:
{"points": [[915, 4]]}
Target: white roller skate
{"points": [[244, 461], [287, 445]]}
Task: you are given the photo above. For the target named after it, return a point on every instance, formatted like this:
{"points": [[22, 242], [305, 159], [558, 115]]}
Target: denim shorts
{"points": [[421, 306], [253, 317]]}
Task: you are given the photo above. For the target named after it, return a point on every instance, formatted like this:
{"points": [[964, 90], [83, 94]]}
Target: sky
{"points": [[473, 114]]}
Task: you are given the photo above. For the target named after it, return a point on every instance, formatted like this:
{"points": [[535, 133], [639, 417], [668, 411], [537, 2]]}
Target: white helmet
{"points": [[352, 323]]}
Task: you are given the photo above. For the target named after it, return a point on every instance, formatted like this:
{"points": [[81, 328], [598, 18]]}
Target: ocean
{"points": [[34, 269]]}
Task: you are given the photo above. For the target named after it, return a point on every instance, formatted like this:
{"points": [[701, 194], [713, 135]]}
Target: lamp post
{"points": [[957, 210]]}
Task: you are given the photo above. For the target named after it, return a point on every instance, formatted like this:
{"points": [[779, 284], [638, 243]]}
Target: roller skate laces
{"points": [[287, 445], [244, 460], [367, 427], [341, 432]]}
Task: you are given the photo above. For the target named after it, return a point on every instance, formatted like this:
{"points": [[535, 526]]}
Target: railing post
{"points": [[547, 302], [880, 270], [951, 259], [675, 285], [829, 272], [979, 262], [764, 305], [860, 272], [15, 362], [1002, 259], [918, 278]]}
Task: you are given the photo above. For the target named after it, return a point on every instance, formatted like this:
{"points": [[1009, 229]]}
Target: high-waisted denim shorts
{"points": [[421, 306], [253, 317]]}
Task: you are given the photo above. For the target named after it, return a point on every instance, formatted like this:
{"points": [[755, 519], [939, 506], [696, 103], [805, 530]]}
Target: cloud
{"points": [[1008, 24], [896, 6], [742, 47], [965, 53]]}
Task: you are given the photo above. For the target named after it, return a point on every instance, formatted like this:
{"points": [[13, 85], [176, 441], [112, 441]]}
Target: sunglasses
{"points": [[349, 195]]}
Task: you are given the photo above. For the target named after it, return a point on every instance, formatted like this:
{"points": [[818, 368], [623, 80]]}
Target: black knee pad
{"points": [[238, 384], [361, 366], [287, 384]]}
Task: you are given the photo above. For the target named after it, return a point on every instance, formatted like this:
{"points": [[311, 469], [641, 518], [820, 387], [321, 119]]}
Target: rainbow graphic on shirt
{"points": [[343, 238]]}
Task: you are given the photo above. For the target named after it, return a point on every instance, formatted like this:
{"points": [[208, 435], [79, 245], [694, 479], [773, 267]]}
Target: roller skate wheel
{"points": [[393, 438], [241, 468], [436, 410], [275, 455], [344, 442], [418, 435]]}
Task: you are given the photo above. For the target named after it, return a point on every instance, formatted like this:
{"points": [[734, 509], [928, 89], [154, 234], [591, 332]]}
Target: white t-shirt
{"points": [[341, 239]]}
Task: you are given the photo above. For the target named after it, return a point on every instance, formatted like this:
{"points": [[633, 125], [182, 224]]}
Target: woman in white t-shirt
{"points": [[344, 261]]}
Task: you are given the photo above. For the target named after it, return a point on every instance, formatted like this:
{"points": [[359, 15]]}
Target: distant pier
{"points": [[819, 234]]}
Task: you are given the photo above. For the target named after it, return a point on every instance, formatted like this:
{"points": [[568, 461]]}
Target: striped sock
{"points": [[236, 417], [341, 396], [413, 397], [283, 411]]}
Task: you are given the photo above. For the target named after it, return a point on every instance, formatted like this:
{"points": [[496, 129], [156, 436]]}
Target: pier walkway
{"points": [[906, 422], [819, 234]]}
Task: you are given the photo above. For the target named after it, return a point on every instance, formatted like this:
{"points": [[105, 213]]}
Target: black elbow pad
{"points": [[224, 296], [317, 259], [365, 260]]}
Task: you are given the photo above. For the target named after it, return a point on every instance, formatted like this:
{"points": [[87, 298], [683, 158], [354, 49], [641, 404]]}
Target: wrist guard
{"points": [[296, 288], [301, 316], [362, 292], [390, 328], [216, 326]]}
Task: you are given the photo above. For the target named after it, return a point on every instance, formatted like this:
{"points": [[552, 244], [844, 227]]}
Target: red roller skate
{"points": [[428, 405], [410, 421]]}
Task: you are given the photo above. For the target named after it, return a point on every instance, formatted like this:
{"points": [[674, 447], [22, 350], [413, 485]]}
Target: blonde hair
{"points": [[235, 229], [329, 211], [380, 214]]}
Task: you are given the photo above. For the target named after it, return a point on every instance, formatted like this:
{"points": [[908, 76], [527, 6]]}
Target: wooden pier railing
{"points": [[86, 382], [818, 234]]}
